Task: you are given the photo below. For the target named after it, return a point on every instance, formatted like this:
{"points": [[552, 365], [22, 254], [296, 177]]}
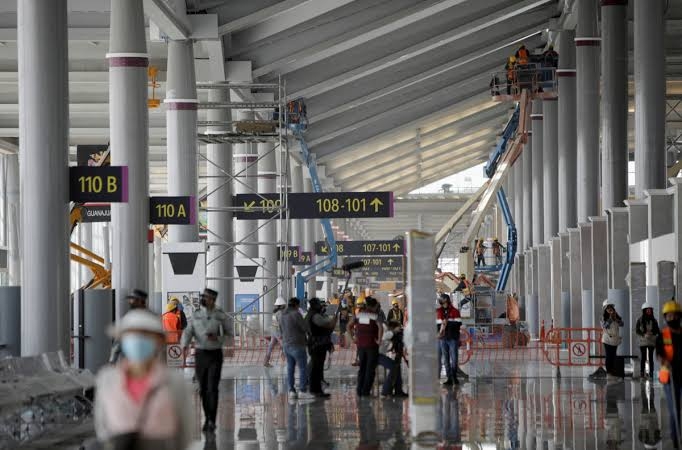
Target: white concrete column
{"points": [[589, 311], [567, 132], [309, 238], [181, 132], [44, 150], [245, 182], [13, 220], [536, 118], [527, 159], [575, 275], [129, 129], [550, 173]]}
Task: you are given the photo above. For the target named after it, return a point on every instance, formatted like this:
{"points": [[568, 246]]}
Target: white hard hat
{"points": [[646, 305], [606, 303], [138, 320], [280, 301]]}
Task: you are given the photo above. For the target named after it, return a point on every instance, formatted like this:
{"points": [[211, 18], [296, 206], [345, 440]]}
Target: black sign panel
{"points": [[98, 184], [370, 248], [305, 259], [291, 254], [339, 272], [95, 213], [385, 263], [172, 210], [315, 205]]}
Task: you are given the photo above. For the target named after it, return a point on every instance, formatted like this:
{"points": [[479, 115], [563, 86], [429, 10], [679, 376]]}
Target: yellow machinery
{"points": [[101, 276]]}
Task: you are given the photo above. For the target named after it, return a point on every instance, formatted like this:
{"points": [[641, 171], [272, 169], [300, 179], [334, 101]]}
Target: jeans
{"points": [[450, 348], [209, 365], [393, 383], [647, 354], [369, 356], [296, 356], [672, 395], [317, 358], [610, 354], [271, 346]]}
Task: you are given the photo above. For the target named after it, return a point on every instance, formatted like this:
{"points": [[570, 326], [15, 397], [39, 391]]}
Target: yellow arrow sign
{"points": [[324, 249], [376, 203], [396, 247], [248, 207]]}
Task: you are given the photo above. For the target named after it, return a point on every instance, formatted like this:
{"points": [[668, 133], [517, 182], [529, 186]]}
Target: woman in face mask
{"points": [[140, 403]]}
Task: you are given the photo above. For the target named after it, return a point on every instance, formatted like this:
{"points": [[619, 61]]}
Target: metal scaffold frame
{"points": [[253, 132]]}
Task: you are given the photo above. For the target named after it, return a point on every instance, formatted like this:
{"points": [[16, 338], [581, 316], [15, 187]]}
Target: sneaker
{"points": [[209, 426], [462, 374], [613, 378], [448, 382], [401, 394], [598, 374], [305, 396], [293, 395], [455, 381]]}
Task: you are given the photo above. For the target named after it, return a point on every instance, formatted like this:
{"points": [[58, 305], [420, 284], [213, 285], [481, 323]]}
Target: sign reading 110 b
{"points": [[315, 205]]}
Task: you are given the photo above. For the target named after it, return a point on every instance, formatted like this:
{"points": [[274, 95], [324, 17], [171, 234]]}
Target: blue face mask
{"points": [[138, 348]]}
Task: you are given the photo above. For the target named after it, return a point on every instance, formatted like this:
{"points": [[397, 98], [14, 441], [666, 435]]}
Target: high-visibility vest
{"points": [[523, 56], [668, 352]]}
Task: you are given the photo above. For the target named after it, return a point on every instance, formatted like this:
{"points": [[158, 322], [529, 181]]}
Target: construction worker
{"points": [[368, 334], [136, 300], [320, 342], [550, 58], [497, 250], [276, 336], [611, 338], [522, 56], [360, 306], [172, 324], [396, 313], [211, 328], [647, 329], [449, 323], [510, 68], [480, 253], [669, 350]]}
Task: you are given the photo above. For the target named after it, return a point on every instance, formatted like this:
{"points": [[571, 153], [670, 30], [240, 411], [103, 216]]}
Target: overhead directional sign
{"points": [[304, 259], [383, 268], [95, 213], [290, 254], [324, 205], [98, 184], [172, 210], [339, 272], [370, 248]]}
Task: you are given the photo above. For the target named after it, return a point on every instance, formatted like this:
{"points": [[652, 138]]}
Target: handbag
{"points": [[133, 439]]}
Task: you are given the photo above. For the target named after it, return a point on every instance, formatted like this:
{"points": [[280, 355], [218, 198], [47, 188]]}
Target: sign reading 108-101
{"points": [[315, 205], [98, 184]]}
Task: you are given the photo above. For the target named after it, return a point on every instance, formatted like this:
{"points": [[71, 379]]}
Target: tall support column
{"points": [[220, 225], [650, 89], [537, 168], [599, 263], [245, 182], [544, 285], [567, 132], [181, 132], [550, 196], [575, 276], [13, 210], [85, 241], [129, 124], [309, 238], [296, 234], [517, 173], [527, 194], [588, 306], [43, 138], [555, 255], [619, 263], [587, 56], [564, 246], [267, 183], [614, 120]]}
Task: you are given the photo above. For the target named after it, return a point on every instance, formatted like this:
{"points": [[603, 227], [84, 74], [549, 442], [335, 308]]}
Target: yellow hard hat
{"points": [[462, 275], [394, 302], [172, 304], [361, 301], [512, 58], [671, 307]]}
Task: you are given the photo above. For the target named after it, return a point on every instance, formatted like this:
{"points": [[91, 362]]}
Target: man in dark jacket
{"points": [[368, 334], [320, 342], [294, 332]]}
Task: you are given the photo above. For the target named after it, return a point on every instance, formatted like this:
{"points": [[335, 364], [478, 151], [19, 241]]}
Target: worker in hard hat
{"points": [[647, 329], [497, 250], [276, 334], [510, 68], [611, 338], [360, 307], [480, 253], [396, 313], [669, 350], [172, 324], [139, 402]]}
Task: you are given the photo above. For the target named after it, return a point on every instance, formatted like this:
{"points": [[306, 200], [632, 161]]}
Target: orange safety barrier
{"points": [[500, 343], [577, 347]]}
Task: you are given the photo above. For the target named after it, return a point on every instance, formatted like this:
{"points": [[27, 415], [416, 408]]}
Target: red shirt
{"points": [[451, 319]]}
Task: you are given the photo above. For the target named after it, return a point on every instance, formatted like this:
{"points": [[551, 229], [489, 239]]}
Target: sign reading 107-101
{"points": [[315, 205], [98, 184], [358, 248]]}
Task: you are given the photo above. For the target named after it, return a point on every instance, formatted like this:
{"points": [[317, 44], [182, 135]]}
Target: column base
{"points": [[588, 318]]}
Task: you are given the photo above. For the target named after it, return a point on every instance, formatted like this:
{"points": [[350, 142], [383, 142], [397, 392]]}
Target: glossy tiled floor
{"points": [[521, 408]]}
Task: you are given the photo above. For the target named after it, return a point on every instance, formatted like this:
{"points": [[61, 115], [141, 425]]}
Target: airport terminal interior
{"points": [[340, 224]]}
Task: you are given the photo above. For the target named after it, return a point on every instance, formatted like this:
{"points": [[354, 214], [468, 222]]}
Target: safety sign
{"points": [[579, 354], [174, 355]]}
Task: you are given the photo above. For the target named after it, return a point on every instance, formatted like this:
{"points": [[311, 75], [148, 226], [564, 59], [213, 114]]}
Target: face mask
{"points": [[138, 348], [675, 323]]}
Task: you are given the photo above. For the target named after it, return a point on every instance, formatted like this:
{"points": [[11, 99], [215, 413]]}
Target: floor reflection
{"points": [[494, 413]]}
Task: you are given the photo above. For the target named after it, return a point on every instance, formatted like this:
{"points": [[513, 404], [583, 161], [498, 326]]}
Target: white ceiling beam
{"points": [[171, 20], [444, 173], [356, 37], [421, 48], [278, 18]]}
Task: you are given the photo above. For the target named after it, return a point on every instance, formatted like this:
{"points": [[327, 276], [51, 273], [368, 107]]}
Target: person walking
{"points": [[136, 300], [391, 353], [611, 323], [294, 332], [139, 402], [647, 329], [321, 328], [669, 351], [368, 334], [344, 317], [276, 335], [212, 330], [172, 324], [449, 323]]}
